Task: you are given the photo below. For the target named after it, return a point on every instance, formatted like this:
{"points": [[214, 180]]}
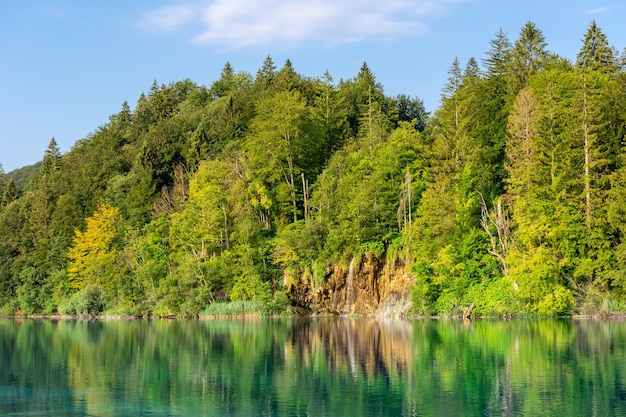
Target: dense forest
{"points": [[510, 197]]}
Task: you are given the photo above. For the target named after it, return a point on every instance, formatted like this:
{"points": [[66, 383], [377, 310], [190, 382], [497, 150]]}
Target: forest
{"points": [[510, 197]]}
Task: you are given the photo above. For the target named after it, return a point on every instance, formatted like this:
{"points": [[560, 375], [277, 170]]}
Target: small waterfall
{"points": [[350, 287]]}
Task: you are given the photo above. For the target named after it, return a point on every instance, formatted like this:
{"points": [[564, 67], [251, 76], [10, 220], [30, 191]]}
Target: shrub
{"points": [[88, 301], [560, 302], [498, 298]]}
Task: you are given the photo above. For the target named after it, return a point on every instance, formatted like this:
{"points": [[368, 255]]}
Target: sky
{"points": [[66, 66]]}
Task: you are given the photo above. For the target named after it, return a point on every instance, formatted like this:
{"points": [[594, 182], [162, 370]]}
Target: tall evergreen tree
{"points": [[472, 71], [10, 194], [529, 54], [498, 56], [225, 84], [596, 53], [365, 103], [265, 75], [287, 78]]}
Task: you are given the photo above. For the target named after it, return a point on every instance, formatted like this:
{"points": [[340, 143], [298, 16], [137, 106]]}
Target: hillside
{"points": [[509, 198]]}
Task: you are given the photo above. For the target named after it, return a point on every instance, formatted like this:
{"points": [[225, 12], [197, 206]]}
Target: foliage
{"points": [[88, 301], [92, 257], [234, 309], [509, 199]]}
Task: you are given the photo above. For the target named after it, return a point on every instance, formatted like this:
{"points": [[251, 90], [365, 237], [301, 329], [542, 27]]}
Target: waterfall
{"points": [[350, 287]]}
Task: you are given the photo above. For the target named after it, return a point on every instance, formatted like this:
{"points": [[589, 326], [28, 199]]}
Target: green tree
{"points": [[330, 113], [498, 58], [280, 141], [411, 110], [265, 75], [435, 225], [10, 194], [595, 53], [225, 84], [365, 103], [528, 54], [202, 228]]}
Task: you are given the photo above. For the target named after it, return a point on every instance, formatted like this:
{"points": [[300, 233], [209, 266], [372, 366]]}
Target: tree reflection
{"points": [[317, 367]]}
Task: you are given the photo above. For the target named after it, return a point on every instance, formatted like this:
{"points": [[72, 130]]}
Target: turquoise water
{"points": [[312, 367]]}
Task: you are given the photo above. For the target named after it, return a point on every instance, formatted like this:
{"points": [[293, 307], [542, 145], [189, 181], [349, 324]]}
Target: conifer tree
{"points": [[529, 54], [9, 194], [265, 75], [472, 71], [365, 103], [225, 84], [595, 53], [287, 78], [499, 55]]}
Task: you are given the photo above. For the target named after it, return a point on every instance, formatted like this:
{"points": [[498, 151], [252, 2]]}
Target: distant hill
{"points": [[22, 176]]}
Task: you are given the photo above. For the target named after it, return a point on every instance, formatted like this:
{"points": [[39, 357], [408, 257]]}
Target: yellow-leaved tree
{"points": [[92, 256]]}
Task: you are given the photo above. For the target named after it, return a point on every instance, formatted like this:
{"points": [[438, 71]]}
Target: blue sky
{"points": [[67, 65]]}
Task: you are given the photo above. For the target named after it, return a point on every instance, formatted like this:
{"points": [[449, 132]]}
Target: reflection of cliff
{"points": [[364, 347], [368, 285]]}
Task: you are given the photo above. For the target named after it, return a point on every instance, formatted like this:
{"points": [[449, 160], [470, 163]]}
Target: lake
{"points": [[312, 367]]}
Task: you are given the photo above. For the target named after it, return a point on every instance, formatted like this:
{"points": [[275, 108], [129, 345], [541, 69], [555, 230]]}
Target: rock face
{"points": [[367, 285]]}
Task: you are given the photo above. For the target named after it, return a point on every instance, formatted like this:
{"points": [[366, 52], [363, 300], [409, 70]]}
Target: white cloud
{"points": [[167, 18], [596, 11], [246, 23]]}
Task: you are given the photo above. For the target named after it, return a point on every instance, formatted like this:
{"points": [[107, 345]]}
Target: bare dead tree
{"points": [[497, 218]]}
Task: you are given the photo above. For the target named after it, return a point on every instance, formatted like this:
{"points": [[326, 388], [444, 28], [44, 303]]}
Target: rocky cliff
{"points": [[367, 285]]}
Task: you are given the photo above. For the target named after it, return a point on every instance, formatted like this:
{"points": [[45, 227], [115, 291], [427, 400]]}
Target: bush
{"points": [[448, 304], [498, 298], [371, 248], [88, 301], [560, 302]]}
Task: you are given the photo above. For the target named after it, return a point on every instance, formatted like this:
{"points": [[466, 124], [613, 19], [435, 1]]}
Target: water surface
{"points": [[312, 367]]}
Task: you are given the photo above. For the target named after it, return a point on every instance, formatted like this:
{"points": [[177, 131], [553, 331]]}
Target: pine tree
{"points": [[51, 158], [287, 78], [9, 194], [225, 83], [529, 54], [595, 53], [472, 71], [523, 163], [499, 55], [265, 75]]}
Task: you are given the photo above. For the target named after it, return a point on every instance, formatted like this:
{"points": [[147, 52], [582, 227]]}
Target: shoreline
{"points": [[256, 316]]}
